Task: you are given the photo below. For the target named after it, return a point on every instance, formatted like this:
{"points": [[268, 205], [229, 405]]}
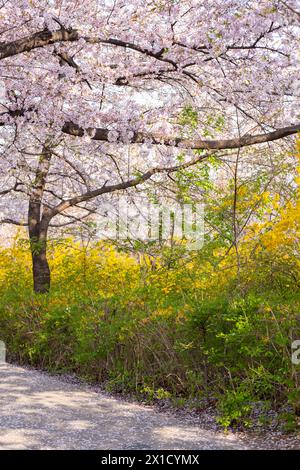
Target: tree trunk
{"points": [[40, 265], [40, 268], [38, 223]]}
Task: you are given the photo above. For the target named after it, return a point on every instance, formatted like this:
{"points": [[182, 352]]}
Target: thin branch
{"points": [[13, 222], [290, 8]]}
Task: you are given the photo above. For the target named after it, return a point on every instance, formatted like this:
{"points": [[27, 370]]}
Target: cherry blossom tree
{"points": [[82, 83]]}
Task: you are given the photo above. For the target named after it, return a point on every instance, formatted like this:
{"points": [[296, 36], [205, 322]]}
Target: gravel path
{"points": [[39, 411]]}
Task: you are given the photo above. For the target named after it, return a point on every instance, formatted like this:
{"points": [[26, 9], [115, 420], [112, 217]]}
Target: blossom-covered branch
{"points": [[35, 41], [196, 144]]}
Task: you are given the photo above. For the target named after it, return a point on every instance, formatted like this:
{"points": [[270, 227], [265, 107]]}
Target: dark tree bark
{"points": [[38, 224], [41, 274], [40, 265]]}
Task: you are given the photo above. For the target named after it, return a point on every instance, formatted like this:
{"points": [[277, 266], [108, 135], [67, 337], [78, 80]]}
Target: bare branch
{"points": [[13, 222], [6, 191], [123, 185]]}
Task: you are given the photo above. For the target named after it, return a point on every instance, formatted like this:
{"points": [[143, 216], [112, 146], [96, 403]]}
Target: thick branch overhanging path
{"points": [[102, 134], [195, 144]]}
